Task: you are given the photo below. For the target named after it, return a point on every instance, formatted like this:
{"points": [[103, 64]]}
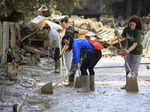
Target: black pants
{"points": [[56, 54], [89, 61]]}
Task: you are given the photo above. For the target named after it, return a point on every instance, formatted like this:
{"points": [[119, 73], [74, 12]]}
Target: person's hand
{"points": [[125, 52]]}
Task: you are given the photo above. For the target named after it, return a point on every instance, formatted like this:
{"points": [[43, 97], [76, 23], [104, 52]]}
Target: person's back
{"points": [[80, 46], [53, 36]]}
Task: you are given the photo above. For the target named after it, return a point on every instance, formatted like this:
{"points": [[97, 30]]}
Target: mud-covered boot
{"points": [[92, 83], [85, 84], [78, 82], [125, 86]]}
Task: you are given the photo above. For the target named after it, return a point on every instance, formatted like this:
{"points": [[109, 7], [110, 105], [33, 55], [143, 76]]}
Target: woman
{"points": [[132, 33], [68, 55], [90, 56]]}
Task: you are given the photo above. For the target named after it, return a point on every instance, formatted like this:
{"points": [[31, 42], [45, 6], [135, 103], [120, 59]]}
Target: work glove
{"points": [[125, 52], [73, 69]]}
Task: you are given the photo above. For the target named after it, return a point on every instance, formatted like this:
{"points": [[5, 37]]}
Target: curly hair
{"points": [[138, 21]]}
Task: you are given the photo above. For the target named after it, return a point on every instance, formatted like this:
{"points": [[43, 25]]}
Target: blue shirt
{"points": [[80, 46]]}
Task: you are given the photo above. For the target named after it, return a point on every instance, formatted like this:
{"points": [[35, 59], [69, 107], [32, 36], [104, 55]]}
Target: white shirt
{"points": [[53, 36]]}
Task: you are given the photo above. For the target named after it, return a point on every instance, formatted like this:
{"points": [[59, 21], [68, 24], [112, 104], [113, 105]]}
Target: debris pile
{"points": [[27, 43]]}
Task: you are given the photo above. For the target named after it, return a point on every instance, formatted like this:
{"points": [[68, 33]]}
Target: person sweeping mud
{"points": [[53, 36], [90, 56], [133, 51]]}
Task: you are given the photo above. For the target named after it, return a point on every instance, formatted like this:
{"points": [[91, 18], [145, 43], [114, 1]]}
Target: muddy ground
{"points": [[108, 97]]}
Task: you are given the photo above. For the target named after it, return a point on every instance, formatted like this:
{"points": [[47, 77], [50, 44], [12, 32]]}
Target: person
{"points": [[53, 36], [45, 11], [64, 22], [90, 56], [133, 51]]}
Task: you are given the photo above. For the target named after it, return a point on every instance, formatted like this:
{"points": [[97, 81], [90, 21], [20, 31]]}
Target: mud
{"points": [[108, 97]]}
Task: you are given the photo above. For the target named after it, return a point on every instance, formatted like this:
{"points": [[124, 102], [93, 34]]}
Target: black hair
{"points": [[70, 38], [70, 30], [65, 19], [46, 27]]}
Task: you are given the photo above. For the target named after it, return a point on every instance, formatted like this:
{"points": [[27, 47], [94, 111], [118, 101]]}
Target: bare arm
{"points": [[64, 49], [133, 47]]}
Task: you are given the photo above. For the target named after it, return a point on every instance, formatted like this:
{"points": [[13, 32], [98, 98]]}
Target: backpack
{"points": [[96, 45]]}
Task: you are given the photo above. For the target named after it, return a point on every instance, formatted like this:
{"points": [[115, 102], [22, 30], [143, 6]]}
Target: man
{"points": [[53, 36], [45, 11]]}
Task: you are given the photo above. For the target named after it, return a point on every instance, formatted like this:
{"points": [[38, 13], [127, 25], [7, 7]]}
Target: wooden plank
{"points": [[12, 35], [18, 30], [5, 36], [29, 35], [2, 93], [1, 37], [147, 52]]}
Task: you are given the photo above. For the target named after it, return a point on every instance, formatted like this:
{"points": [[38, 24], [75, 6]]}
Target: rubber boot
{"points": [[92, 83], [78, 81], [85, 84], [125, 86]]}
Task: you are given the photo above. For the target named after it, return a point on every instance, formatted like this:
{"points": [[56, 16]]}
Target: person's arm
{"points": [[136, 42], [133, 46], [64, 49], [75, 58], [116, 41]]}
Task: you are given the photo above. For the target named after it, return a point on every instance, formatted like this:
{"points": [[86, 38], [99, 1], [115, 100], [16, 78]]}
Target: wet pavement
{"points": [[108, 97]]}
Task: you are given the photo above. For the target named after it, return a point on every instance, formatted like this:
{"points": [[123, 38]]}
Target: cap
{"points": [[43, 8]]}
